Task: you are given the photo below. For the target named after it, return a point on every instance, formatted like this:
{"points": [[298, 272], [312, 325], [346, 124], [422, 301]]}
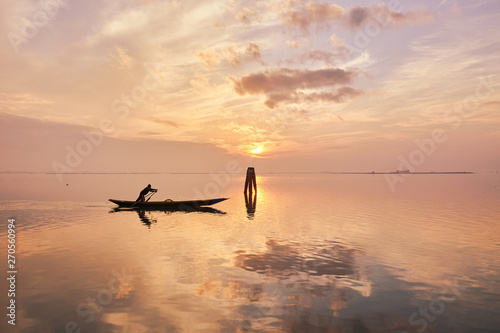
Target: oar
{"points": [[150, 195]]}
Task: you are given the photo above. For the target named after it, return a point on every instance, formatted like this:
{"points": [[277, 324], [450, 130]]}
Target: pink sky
{"points": [[188, 86]]}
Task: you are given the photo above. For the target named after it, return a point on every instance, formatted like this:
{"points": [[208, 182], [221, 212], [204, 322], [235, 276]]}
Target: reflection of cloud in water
{"points": [[313, 282], [281, 260], [321, 286], [230, 290], [315, 286]]}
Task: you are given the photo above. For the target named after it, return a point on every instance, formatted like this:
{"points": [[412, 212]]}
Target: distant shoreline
{"points": [[262, 173], [407, 173]]}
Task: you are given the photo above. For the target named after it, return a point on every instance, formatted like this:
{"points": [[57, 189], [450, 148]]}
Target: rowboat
{"points": [[167, 204]]}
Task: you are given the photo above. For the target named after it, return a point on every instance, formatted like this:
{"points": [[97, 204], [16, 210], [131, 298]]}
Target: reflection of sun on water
{"points": [[261, 195]]}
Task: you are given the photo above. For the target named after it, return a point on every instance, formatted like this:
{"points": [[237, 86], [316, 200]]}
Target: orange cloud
{"points": [[236, 57], [247, 14], [283, 85], [209, 57], [339, 96], [293, 44], [321, 14], [231, 55], [313, 13], [336, 42], [121, 59], [164, 122], [16, 102], [291, 79]]}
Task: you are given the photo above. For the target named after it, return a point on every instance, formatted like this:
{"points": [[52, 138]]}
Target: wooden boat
{"points": [[167, 204]]}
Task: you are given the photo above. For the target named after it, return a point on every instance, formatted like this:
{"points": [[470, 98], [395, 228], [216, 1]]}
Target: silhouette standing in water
{"points": [[144, 192]]}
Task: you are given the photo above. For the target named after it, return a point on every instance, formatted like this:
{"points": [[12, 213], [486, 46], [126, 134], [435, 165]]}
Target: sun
{"points": [[257, 150]]}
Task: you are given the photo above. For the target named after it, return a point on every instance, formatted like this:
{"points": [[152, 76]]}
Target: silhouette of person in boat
{"points": [[144, 192]]}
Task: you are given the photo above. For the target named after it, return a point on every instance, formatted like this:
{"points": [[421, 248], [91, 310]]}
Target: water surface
{"points": [[314, 253]]}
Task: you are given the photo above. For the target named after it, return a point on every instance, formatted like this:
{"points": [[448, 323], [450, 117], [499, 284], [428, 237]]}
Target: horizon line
{"points": [[244, 172]]}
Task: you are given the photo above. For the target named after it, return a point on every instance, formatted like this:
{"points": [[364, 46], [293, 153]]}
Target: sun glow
{"points": [[257, 150]]}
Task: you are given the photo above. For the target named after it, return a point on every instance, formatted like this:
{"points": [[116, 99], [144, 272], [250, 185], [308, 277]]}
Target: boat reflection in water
{"points": [[147, 218]]}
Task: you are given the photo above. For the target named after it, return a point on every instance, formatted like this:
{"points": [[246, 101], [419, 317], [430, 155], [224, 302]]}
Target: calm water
{"points": [[317, 253]]}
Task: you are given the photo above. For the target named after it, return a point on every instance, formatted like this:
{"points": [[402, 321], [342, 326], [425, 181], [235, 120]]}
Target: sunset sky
{"points": [[306, 86]]}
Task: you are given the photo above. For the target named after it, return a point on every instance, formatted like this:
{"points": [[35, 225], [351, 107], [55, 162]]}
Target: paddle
{"points": [[149, 194], [152, 193]]}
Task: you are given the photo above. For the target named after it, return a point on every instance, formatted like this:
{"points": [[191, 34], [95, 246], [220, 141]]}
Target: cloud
{"points": [[250, 53], [209, 57], [17, 102], [242, 129], [285, 79], [318, 13], [293, 44], [176, 3], [321, 14], [121, 59], [456, 10], [231, 54], [341, 95], [358, 16], [201, 84], [327, 57], [283, 85], [247, 14], [164, 122], [336, 42], [149, 133], [125, 22], [253, 51]]}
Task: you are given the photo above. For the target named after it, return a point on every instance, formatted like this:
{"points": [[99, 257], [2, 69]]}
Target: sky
{"points": [[282, 85]]}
